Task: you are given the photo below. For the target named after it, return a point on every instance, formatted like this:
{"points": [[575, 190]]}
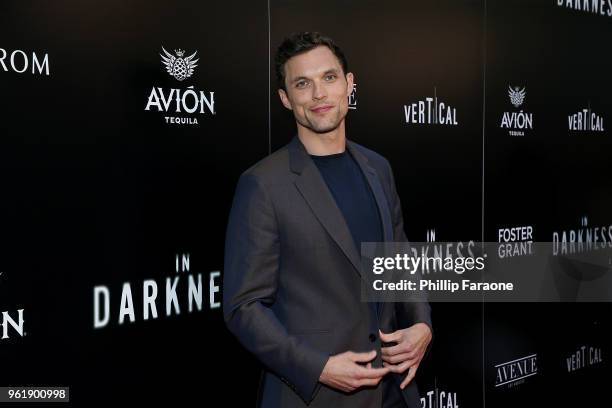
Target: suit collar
{"points": [[299, 157]]}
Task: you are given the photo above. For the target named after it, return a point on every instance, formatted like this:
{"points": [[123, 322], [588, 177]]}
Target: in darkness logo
{"points": [[188, 290], [597, 7], [581, 239], [9, 321]]}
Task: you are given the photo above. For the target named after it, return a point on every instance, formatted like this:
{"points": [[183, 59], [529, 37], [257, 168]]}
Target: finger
{"points": [[410, 376], [390, 337], [364, 373], [402, 367], [400, 348], [362, 357], [399, 358]]}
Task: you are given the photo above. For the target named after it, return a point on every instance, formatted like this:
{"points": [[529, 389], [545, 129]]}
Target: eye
{"points": [[330, 77], [301, 84]]}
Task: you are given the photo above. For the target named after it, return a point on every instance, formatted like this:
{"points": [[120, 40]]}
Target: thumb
{"points": [[387, 337]]}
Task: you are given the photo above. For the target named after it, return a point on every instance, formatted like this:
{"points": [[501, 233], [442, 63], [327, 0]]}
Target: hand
{"points": [[408, 352], [343, 372]]}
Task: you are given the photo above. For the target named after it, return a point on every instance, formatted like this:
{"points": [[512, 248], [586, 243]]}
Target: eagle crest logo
{"points": [[177, 66], [517, 96]]}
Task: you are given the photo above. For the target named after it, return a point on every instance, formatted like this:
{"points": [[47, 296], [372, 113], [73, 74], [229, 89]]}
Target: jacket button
{"points": [[372, 337]]}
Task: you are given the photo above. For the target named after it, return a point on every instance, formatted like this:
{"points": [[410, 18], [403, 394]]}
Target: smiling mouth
{"points": [[322, 109]]}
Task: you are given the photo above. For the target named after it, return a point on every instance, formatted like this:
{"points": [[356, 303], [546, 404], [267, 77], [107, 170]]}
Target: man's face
{"points": [[317, 90]]}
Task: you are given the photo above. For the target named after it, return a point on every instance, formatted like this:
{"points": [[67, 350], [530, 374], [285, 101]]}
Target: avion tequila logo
{"points": [[519, 122], [180, 106], [178, 67]]}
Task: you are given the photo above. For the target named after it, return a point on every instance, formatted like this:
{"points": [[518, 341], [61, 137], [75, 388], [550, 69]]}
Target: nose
{"points": [[318, 91]]}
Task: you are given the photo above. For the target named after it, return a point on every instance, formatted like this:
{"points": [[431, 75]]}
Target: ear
{"points": [[350, 80], [284, 99]]}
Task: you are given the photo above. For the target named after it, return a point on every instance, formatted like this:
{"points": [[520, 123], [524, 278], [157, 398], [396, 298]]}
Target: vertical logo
{"points": [[438, 398], [585, 120], [430, 111], [585, 356], [517, 122], [352, 98]]}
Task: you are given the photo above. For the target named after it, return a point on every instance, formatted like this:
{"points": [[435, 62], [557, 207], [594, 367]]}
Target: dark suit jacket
{"points": [[291, 282]]}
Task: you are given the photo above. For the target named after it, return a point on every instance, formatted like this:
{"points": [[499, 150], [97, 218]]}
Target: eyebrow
{"points": [[329, 71]]}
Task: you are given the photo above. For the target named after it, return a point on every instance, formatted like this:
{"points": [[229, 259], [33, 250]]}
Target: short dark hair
{"points": [[298, 43]]}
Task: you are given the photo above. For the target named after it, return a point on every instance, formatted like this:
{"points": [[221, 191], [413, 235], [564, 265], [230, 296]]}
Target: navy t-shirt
{"points": [[353, 195]]}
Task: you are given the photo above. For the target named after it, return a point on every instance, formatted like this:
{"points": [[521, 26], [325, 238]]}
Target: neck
{"points": [[323, 144]]}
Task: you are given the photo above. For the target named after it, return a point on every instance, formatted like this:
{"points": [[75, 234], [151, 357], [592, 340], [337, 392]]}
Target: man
{"points": [[292, 281]]}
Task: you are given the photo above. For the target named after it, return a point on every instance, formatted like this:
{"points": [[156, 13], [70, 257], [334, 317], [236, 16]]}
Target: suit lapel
{"points": [[311, 185], [381, 200], [317, 195], [379, 194]]}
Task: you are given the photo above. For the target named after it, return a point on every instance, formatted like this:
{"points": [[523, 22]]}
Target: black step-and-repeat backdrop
{"points": [[125, 126]]}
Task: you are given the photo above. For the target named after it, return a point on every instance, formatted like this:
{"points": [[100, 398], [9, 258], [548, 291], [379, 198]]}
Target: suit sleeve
{"points": [[408, 313], [251, 269]]}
